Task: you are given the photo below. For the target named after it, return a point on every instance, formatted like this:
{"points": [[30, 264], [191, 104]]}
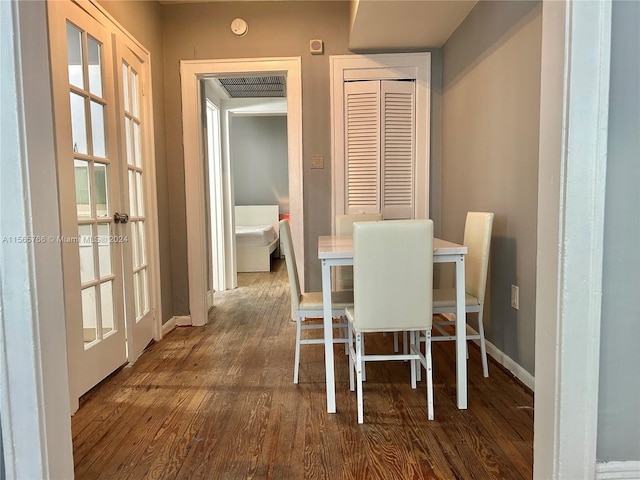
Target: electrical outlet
{"points": [[515, 297]]}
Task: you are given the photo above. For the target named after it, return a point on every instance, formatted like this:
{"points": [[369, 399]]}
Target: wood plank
{"points": [[218, 402]]}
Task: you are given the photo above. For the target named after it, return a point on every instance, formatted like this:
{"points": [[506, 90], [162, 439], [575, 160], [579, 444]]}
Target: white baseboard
{"points": [[183, 321], [618, 470], [510, 364], [503, 359], [173, 322], [168, 326]]}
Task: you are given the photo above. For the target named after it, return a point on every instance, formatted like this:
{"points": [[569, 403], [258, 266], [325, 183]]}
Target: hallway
{"points": [[218, 402]]}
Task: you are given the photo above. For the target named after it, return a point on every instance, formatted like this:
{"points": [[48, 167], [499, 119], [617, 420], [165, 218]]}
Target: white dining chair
{"points": [[344, 226], [477, 238], [309, 305], [393, 281]]}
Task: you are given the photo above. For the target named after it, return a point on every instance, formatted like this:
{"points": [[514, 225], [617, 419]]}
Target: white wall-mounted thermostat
{"points": [[316, 47], [239, 27]]}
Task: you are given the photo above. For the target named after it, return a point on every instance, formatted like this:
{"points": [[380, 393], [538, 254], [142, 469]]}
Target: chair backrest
{"points": [[290, 259], [393, 275], [477, 238], [344, 226], [344, 223]]}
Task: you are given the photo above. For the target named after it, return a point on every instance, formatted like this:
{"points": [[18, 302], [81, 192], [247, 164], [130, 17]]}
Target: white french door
{"points": [[139, 313], [101, 150]]}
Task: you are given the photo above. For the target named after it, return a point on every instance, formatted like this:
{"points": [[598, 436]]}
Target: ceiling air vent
{"points": [[252, 87]]}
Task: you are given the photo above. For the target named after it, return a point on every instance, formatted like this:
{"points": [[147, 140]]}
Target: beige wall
{"points": [[143, 21], [276, 29], [490, 123]]}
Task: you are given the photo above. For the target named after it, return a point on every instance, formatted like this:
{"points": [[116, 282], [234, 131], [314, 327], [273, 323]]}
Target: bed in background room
{"points": [[256, 236]]}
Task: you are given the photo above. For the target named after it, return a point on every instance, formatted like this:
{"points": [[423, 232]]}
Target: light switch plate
{"points": [[317, 161]]}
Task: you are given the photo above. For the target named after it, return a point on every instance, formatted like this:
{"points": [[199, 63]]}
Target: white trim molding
{"points": [[173, 322], [191, 72], [387, 66], [574, 112], [507, 362], [34, 400], [182, 321], [168, 326], [618, 470], [500, 357], [210, 297]]}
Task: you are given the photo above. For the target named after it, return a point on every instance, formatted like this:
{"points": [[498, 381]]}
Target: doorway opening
{"points": [[192, 74], [245, 152]]}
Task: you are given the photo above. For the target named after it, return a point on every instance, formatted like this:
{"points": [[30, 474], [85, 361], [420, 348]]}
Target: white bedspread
{"points": [[255, 235]]}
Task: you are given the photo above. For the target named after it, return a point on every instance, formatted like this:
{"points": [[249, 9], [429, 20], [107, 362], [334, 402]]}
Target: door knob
{"points": [[120, 217]]}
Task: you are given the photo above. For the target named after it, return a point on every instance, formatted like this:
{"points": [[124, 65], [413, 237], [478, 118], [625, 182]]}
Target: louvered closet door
{"points": [[362, 147], [380, 148], [398, 149]]}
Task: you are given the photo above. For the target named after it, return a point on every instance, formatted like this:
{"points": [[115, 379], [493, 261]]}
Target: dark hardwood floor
{"points": [[218, 402]]}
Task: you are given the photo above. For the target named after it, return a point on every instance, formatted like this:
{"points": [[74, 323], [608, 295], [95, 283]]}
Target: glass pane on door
{"points": [[134, 152], [95, 66], [101, 191], [78, 123], [97, 129], [74, 54], [106, 304], [89, 318], [104, 249], [85, 245], [93, 180], [83, 188]]}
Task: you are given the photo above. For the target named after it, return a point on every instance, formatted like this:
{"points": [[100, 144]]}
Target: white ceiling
{"points": [[406, 24]]}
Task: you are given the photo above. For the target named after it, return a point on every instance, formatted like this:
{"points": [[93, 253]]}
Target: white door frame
{"points": [[214, 161], [574, 111], [34, 400], [416, 66], [191, 72]]}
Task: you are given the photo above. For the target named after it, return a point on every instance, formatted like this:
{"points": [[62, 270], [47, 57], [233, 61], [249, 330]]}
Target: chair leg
{"points": [[429, 374], [483, 346], [296, 365], [418, 363], [359, 376], [396, 348], [405, 343], [345, 332], [412, 335], [352, 386], [364, 369]]}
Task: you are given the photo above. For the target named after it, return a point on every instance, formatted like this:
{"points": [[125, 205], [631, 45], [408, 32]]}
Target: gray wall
{"points": [[259, 160], [276, 29], [2, 469], [619, 396], [144, 22], [490, 123], [201, 31]]}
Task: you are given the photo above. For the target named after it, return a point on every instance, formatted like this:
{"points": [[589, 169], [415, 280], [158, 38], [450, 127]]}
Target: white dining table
{"points": [[335, 250]]}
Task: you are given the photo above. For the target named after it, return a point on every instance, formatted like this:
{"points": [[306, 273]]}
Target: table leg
{"points": [[328, 337], [461, 335]]}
